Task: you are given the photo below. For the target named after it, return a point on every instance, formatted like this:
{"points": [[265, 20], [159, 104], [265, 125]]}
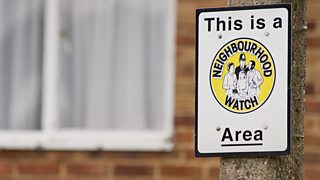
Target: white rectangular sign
{"points": [[243, 59]]}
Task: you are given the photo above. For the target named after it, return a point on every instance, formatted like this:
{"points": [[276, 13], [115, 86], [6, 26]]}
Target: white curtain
{"points": [[111, 66], [21, 29]]}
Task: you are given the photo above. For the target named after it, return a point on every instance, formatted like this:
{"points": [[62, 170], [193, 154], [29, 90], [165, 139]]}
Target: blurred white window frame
{"points": [[52, 138]]}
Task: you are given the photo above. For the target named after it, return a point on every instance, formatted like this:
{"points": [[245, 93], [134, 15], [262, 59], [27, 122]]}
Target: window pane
{"points": [[112, 63], [21, 25]]}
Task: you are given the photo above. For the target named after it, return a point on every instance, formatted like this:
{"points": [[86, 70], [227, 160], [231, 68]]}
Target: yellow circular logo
{"points": [[242, 75]]}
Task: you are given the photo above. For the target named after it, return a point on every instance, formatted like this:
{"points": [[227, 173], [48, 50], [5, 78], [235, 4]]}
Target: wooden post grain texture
{"points": [[279, 167]]}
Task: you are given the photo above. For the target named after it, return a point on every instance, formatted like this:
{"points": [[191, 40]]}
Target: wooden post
{"points": [[279, 167]]}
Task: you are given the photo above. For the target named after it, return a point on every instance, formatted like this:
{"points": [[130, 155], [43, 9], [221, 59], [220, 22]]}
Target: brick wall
{"points": [[312, 103], [179, 164]]}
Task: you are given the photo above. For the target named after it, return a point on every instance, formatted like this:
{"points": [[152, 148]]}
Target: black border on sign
{"points": [[237, 154]]}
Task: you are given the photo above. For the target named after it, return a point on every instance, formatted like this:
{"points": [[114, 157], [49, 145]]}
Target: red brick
{"points": [[312, 106], [185, 136], [180, 171], [215, 172], [309, 124], [190, 154], [89, 169], [38, 169], [311, 174], [184, 121], [12, 154], [186, 40], [312, 139], [8, 177], [184, 90], [313, 42], [311, 25], [5, 168], [311, 158], [187, 71], [61, 156], [310, 89], [133, 170]]}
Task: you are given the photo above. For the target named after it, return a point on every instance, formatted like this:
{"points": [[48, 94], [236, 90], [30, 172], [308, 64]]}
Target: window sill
{"points": [[87, 141]]}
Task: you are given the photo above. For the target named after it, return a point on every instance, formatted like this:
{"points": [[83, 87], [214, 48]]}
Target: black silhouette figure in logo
{"points": [[230, 81], [242, 85], [254, 80], [242, 66]]}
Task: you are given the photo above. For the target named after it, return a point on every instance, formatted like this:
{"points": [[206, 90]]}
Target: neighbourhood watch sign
{"points": [[243, 80]]}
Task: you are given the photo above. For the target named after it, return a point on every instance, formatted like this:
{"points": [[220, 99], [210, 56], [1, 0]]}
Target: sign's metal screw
{"points": [[267, 33], [218, 128], [265, 127], [220, 36]]}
